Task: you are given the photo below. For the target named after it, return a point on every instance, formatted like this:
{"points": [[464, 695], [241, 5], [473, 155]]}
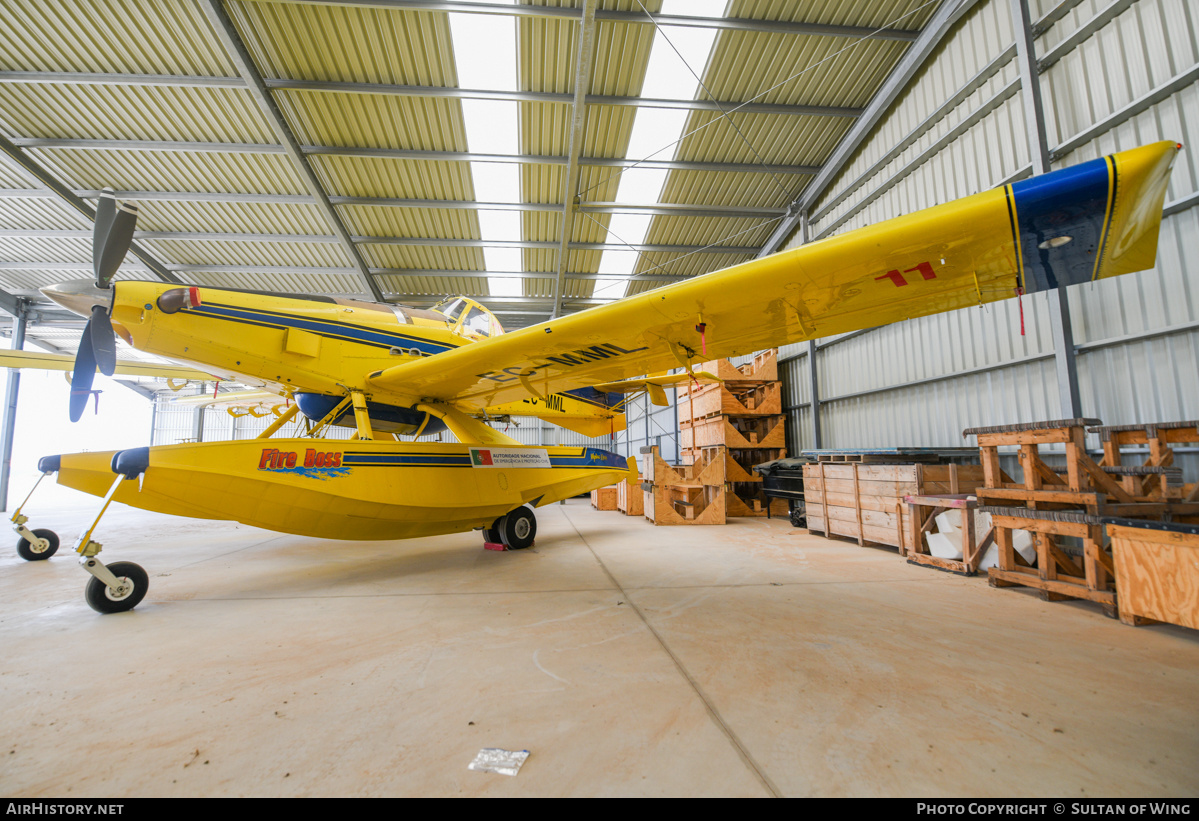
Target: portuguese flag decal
{"points": [[480, 458]]}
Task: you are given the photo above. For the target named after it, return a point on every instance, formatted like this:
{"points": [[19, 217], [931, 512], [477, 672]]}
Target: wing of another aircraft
{"points": [[36, 360], [1091, 221]]}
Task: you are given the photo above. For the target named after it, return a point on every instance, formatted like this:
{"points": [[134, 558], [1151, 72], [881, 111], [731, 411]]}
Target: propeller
{"points": [[111, 239]]}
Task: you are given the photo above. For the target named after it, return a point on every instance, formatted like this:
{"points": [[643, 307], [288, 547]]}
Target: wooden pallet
{"points": [[894, 456]]}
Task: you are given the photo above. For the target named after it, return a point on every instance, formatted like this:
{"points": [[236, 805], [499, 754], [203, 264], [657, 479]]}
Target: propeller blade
{"points": [[104, 341], [84, 373], [112, 236]]}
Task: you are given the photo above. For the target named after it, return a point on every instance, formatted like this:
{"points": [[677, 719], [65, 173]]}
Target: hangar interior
{"points": [[544, 158]]}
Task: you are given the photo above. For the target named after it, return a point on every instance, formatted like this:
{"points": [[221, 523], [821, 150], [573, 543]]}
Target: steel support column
{"points": [[813, 349], [10, 405], [1069, 395]]}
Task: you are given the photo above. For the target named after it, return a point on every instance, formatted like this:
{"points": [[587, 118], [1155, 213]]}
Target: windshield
{"points": [[471, 318], [477, 322], [451, 308]]}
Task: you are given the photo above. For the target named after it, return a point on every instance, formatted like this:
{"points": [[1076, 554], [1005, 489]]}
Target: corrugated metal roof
{"points": [[402, 62], [110, 36]]}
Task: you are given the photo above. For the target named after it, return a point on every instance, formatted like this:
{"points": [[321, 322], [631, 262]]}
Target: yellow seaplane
{"points": [[389, 371]]}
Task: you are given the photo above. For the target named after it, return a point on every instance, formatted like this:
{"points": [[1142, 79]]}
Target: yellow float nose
{"points": [[80, 295]]}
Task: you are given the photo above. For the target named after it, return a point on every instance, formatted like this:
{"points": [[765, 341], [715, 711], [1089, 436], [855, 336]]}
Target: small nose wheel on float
{"points": [[35, 545], [120, 586]]}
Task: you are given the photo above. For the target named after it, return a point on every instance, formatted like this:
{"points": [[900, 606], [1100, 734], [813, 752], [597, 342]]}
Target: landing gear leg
{"points": [[34, 545], [121, 586]]}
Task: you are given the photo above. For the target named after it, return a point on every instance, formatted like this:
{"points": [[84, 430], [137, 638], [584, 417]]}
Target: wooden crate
{"points": [[1054, 503], [629, 498], [1157, 571], [737, 506], [764, 368], [604, 498], [737, 400], [749, 433], [744, 490], [1151, 477], [921, 523], [868, 502], [684, 494], [1057, 575]]}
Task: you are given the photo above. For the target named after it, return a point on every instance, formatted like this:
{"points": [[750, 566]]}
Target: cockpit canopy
{"points": [[469, 318]]}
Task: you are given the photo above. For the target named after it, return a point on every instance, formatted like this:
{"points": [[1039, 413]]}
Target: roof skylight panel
{"points": [[656, 132], [485, 57]]}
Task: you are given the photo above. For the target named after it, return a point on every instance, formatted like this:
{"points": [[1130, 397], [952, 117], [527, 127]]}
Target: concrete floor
{"points": [[744, 660]]}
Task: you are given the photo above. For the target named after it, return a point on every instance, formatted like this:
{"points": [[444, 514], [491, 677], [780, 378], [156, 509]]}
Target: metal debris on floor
{"points": [[495, 760]]}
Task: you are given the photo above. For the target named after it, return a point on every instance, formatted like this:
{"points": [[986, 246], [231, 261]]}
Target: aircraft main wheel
{"points": [[518, 528], [30, 553], [492, 534], [134, 581]]}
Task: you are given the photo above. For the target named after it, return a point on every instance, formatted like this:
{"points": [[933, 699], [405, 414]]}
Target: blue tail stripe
{"points": [[1072, 202]]}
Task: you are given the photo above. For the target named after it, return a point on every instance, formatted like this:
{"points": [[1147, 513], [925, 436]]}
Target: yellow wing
{"points": [[1091, 221]]}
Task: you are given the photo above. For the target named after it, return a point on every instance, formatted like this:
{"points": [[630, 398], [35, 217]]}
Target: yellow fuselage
{"points": [[350, 489]]}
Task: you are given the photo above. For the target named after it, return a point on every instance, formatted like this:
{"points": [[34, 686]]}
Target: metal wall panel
{"points": [[1119, 74]]}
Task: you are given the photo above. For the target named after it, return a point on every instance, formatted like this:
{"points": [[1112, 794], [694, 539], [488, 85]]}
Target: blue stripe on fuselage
{"points": [[1072, 202], [332, 330], [589, 458], [594, 397]]}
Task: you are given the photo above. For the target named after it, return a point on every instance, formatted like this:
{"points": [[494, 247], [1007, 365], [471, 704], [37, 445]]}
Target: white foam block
{"points": [[949, 520], [990, 558], [1021, 542], [944, 547]]}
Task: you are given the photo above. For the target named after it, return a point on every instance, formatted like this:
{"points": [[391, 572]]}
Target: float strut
{"points": [[37, 544], [127, 464]]}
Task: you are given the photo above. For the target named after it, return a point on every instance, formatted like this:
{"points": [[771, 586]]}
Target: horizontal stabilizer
{"points": [[654, 384]]}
